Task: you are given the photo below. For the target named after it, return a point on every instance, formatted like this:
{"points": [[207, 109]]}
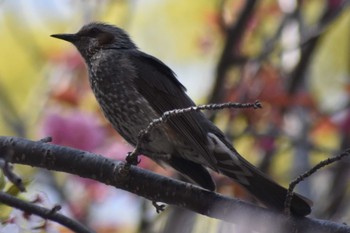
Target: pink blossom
{"points": [[76, 129]]}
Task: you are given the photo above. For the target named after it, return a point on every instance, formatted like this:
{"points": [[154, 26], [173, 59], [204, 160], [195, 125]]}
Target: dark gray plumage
{"points": [[133, 88]]}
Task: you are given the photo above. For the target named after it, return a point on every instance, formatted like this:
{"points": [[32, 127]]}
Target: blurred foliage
{"points": [[329, 73], [292, 55]]}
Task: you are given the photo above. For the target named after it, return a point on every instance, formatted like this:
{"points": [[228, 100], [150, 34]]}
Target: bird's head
{"points": [[95, 37]]}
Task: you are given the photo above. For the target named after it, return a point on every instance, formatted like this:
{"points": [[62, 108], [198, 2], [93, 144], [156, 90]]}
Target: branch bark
{"points": [[157, 188]]}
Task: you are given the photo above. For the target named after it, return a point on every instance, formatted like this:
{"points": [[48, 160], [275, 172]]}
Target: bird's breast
{"points": [[124, 107], [122, 104]]}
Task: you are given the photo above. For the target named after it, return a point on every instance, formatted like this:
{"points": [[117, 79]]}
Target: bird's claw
{"points": [[159, 208], [132, 159]]}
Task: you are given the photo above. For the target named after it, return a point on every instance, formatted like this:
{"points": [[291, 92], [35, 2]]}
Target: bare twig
{"points": [[308, 174], [45, 213], [6, 167], [132, 157]]}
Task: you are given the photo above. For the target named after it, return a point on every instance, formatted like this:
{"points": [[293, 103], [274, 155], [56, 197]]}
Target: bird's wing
{"points": [[159, 86]]}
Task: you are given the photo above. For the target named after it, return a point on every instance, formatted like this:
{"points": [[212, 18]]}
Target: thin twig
{"points": [[6, 168], [307, 174], [45, 213], [132, 157]]}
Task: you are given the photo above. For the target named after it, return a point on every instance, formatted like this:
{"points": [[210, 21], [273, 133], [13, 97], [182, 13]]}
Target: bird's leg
{"points": [[159, 208], [132, 157]]}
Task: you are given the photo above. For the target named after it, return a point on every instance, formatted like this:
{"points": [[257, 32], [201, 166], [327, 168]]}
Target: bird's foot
{"points": [[132, 159], [159, 208]]}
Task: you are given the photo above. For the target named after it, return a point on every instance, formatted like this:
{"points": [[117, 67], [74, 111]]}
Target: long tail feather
{"points": [[231, 164]]}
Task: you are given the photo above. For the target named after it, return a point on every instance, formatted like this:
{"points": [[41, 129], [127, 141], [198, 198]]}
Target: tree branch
{"points": [[45, 213], [157, 188], [230, 52]]}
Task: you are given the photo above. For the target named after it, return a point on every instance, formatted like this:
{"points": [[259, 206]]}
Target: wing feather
{"points": [[159, 86]]}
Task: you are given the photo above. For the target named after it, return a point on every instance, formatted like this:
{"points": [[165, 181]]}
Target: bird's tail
{"points": [[231, 164]]}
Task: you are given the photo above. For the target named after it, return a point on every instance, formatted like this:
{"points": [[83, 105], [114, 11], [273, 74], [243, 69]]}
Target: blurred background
{"points": [[292, 55]]}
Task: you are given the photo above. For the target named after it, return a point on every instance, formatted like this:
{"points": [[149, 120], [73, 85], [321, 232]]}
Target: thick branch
{"points": [[157, 188]]}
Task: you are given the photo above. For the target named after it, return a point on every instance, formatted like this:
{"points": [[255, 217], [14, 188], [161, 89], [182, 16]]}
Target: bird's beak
{"points": [[68, 37]]}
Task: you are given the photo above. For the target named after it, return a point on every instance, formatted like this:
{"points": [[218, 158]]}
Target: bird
{"points": [[133, 88]]}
